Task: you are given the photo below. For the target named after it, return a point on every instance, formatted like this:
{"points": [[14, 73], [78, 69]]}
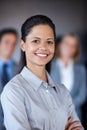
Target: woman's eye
{"points": [[50, 42], [35, 41]]}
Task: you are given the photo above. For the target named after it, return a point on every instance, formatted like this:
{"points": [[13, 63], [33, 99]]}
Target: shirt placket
{"points": [[53, 108]]}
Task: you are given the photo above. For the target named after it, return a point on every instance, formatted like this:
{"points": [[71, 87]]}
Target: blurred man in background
{"points": [[8, 68]]}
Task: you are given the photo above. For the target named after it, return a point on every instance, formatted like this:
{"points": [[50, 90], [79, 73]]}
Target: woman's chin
{"points": [[41, 63]]}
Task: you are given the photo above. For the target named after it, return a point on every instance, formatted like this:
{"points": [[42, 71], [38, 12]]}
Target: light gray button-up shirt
{"points": [[32, 104]]}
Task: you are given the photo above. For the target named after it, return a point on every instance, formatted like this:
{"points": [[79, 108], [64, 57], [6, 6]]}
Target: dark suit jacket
{"points": [[78, 91], [14, 72]]}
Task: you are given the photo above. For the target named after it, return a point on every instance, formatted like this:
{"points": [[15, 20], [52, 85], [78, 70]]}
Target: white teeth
{"points": [[42, 55]]}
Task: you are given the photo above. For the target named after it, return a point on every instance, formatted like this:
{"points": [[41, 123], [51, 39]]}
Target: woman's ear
{"points": [[22, 45]]}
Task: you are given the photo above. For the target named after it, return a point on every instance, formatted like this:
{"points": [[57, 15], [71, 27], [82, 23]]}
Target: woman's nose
{"points": [[43, 47]]}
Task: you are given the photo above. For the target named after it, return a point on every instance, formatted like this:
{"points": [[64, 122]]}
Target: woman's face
{"points": [[68, 47], [39, 45]]}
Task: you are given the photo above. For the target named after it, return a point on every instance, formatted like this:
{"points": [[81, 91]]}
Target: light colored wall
{"points": [[68, 15]]}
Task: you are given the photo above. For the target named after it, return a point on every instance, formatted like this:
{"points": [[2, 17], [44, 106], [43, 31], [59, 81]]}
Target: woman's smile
{"points": [[39, 45], [41, 55]]}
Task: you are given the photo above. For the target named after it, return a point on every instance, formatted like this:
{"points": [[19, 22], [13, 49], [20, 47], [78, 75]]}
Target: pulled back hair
{"points": [[27, 28], [34, 21]]}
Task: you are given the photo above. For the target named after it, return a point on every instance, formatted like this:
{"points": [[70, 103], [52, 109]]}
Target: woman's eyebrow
{"points": [[50, 39], [46, 39], [37, 37]]}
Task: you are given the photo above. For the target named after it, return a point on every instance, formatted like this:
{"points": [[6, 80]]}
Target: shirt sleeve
{"points": [[15, 115], [72, 111], [69, 105]]}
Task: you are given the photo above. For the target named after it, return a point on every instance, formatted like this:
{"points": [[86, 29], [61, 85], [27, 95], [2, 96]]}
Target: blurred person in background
{"points": [[8, 68], [65, 69]]}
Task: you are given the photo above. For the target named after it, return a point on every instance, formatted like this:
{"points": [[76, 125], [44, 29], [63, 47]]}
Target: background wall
{"points": [[68, 15]]}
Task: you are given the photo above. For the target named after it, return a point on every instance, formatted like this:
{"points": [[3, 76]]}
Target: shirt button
{"points": [[47, 91]]}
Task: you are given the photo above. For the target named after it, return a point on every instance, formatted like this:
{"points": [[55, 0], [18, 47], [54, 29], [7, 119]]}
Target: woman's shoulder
{"points": [[14, 86], [13, 92], [16, 80]]}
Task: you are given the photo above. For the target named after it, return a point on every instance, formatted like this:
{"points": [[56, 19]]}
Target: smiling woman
{"points": [[39, 45], [31, 100]]}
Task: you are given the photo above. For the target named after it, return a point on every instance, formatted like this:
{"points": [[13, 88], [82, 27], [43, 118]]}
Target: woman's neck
{"points": [[39, 71]]}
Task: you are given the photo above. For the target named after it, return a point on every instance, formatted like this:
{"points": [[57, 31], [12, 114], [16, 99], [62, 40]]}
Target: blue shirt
{"points": [[9, 67]]}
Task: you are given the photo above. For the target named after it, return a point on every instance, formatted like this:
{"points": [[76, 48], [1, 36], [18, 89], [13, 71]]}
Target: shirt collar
{"points": [[50, 81], [34, 80]]}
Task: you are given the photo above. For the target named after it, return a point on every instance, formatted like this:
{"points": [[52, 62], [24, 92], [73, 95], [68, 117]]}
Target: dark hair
{"points": [[26, 28], [33, 21], [58, 40], [22, 61], [8, 31]]}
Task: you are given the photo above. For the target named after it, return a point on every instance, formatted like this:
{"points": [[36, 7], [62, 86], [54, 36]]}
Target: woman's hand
{"points": [[73, 125]]}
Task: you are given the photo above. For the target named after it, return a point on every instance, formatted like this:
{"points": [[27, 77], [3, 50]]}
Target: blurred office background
{"points": [[68, 16]]}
